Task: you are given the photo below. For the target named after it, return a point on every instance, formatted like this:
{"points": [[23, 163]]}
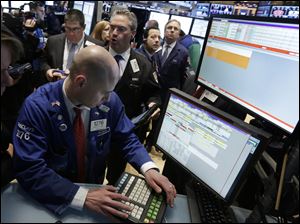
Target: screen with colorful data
{"points": [[214, 147], [254, 61]]}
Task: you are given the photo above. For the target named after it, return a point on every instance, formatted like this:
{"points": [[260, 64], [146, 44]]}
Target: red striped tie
{"points": [[80, 142]]}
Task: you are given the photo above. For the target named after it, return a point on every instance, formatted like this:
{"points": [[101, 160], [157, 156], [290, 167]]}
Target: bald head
{"points": [[93, 75], [96, 63]]}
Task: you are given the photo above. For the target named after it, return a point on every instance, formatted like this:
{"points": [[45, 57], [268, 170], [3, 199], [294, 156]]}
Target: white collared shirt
{"points": [[122, 63], [68, 45]]}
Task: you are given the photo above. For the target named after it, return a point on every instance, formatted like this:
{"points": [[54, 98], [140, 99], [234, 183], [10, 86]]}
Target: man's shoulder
{"points": [[44, 94], [57, 37], [91, 40], [141, 58], [181, 47]]}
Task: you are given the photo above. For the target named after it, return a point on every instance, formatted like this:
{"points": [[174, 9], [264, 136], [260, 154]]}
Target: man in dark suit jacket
{"points": [[138, 87], [172, 68], [172, 59], [60, 49]]}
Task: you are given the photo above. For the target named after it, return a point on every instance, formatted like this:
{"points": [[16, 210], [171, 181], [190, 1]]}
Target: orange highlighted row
{"points": [[228, 57]]}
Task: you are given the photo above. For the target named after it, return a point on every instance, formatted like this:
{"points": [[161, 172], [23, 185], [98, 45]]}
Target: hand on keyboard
{"points": [[105, 200], [159, 182]]}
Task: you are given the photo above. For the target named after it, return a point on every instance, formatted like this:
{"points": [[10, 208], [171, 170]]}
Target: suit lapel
{"points": [[61, 47]]}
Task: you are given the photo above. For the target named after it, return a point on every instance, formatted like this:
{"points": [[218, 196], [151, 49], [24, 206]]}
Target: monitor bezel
{"points": [[279, 129], [263, 136]]}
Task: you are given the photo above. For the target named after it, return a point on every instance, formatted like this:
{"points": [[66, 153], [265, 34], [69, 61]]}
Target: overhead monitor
{"points": [[245, 9], [291, 12], [17, 4], [199, 27], [201, 10], [263, 11], [221, 9], [213, 146], [78, 5], [185, 22], [49, 3], [4, 4], [161, 18], [186, 4], [254, 61], [88, 11]]}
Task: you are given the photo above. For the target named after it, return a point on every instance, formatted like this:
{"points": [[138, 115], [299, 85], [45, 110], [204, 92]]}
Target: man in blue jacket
{"points": [[46, 157]]}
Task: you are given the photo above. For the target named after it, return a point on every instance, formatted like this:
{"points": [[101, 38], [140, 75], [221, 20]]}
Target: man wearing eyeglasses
{"points": [[61, 48]]}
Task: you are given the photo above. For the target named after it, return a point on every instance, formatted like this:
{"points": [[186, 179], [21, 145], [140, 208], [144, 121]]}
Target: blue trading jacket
{"points": [[45, 155]]}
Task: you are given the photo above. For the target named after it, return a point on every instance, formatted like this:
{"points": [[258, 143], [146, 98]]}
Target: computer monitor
{"points": [[49, 3], [245, 9], [161, 18], [291, 12], [263, 11], [199, 27], [221, 9], [201, 10], [88, 11], [78, 5], [185, 22], [214, 147], [254, 61]]}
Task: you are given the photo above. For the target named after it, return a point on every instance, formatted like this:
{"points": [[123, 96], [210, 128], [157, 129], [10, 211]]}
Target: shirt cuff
{"points": [[79, 199], [147, 166]]}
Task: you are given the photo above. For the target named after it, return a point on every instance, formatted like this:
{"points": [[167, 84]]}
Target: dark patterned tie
{"points": [[71, 55], [165, 55], [118, 58], [80, 142]]}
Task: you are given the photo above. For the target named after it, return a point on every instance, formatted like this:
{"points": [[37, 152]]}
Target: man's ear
{"points": [[80, 80]]}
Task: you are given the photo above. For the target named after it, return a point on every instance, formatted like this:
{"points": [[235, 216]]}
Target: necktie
{"points": [[71, 55], [80, 142], [118, 58], [165, 55]]}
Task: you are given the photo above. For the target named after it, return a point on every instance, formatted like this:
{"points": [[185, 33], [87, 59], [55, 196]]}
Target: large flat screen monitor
{"points": [[201, 10], [78, 5], [88, 11], [161, 18], [185, 22], [263, 11], [245, 9], [216, 148], [221, 9], [199, 27], [254, 61], [291, 12]]}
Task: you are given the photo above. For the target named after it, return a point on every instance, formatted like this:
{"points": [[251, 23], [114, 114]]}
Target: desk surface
{"points": [[18, 206]]}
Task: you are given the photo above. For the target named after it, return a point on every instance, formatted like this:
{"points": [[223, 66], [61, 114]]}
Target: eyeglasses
{"points": [[120, 29], [73, 30]]}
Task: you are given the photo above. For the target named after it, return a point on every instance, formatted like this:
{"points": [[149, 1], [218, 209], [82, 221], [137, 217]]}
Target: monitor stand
{"points": [[192, 202]]}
